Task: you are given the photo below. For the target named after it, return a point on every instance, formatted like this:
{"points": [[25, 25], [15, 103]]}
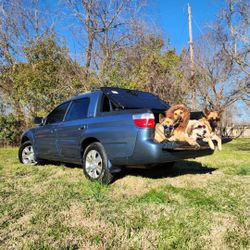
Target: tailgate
{"points": [[179, 146]]}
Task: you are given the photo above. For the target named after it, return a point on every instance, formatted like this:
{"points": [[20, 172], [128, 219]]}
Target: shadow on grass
{"points": [[167, 170], [157, 172]]}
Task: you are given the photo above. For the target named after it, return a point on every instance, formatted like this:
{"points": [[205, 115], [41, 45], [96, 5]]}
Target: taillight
{"points": [[146, 120]]}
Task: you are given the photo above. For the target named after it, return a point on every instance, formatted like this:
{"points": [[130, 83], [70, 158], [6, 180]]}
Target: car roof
{"points": [[125, 98], [81, 95], [130, 99]]}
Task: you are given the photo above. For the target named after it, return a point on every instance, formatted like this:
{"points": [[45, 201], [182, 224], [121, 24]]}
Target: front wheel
{"points": [[26, 153], [95, 163]]}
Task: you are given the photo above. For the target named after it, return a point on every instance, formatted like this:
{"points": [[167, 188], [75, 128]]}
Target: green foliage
{"points": [[147, 67], [10, 130], [48, 78], [44, 80]]}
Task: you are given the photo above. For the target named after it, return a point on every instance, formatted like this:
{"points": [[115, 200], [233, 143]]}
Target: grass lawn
{"points": [[199, 204]]}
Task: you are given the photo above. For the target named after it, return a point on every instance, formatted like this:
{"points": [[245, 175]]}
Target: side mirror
{"points": [[37, 120]]}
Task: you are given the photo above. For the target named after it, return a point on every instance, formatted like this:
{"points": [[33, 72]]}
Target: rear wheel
{"points": [[26, 153], [168, 165], [95, 163]]}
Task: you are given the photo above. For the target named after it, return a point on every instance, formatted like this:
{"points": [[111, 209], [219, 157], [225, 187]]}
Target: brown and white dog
{"points": [[163, 129], [198, 131], [180, 116], [210, 120]]}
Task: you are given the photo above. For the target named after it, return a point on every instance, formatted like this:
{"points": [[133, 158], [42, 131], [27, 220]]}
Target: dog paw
{"points": [[196, 145]]}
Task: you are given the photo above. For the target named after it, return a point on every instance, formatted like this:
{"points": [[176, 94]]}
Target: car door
{"points": [[71, 130], [46, 134]]}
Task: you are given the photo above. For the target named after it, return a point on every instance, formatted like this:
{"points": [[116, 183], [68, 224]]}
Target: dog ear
{"points": [[206, 111], [161, 118], [189, 128], [220, 112]]}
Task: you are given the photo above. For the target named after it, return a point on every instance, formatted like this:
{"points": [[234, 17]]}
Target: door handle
{"points": [[82, 127]]}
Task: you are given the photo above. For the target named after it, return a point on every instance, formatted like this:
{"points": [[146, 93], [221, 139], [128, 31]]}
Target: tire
{"points": [[168, 165], [95, 164], [26, 154]]}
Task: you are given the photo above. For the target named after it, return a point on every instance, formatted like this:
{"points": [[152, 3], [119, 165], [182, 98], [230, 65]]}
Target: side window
{"points": [[57, 114], [78, 110], [105, 107]]}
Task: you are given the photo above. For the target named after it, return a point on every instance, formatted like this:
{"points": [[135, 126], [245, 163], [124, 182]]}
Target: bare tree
{"points": [[232, 31], [21, 24], [84, 11], [220, 82], [107, 24], [223, 57]]}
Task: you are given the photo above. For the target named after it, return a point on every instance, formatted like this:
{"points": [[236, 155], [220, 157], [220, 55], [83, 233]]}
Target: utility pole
{"points": [[36, 20], [191, 51]]}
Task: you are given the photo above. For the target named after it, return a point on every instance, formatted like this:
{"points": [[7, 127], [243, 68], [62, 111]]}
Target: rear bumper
{"points": [[147, 152], [180, 146], [152, 153]]}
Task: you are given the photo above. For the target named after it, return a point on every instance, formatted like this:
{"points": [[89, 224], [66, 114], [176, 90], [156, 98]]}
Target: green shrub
{"points": [[10, 130]]}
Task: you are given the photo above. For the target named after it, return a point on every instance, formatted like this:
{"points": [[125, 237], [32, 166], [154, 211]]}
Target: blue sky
{"points": [[168, 16], [171, 16]]}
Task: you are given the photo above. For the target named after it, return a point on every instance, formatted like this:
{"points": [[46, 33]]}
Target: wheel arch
{"points": [[86, 142], [24, 139]]}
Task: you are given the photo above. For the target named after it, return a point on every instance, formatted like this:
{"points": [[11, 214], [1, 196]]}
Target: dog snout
{"points": [[179, 118], [167, 132], [213, 124]]}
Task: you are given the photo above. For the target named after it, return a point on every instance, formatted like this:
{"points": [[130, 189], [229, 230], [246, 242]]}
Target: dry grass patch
{"points": [[223, 227]]}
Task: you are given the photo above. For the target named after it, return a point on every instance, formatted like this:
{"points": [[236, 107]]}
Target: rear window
{"points": [[134, 99]]}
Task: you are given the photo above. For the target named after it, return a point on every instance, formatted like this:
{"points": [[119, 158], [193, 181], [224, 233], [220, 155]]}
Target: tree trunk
{"points": [[90, 48]]}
